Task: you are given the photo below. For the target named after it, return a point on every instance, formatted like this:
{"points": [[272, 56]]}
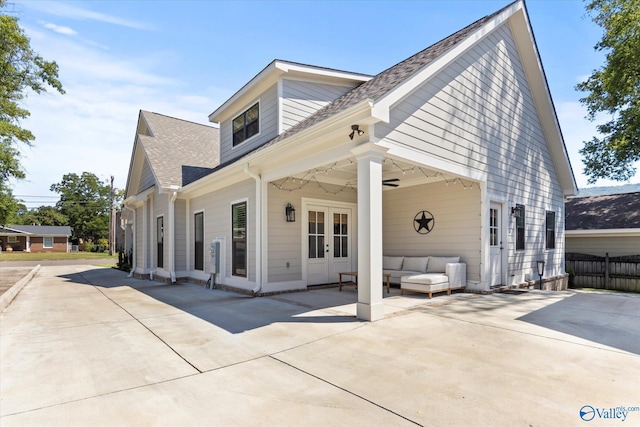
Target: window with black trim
{"points": [[198, 238], [550, 228], [246, 124], [160, 241], [519, 227], [239, 239]]}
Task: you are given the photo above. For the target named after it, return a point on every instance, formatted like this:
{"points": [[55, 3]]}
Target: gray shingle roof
{"points": [[603, 212], [176, 143], [388, 80], [41, 230]]}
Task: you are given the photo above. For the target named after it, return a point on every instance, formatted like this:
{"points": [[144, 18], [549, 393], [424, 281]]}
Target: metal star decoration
{"points": [[423, 222]]}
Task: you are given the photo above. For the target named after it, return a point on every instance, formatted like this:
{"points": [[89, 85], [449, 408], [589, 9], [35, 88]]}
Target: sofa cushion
{"points": [[438, 264], [426, 279], [392, 262], [416, 264]]}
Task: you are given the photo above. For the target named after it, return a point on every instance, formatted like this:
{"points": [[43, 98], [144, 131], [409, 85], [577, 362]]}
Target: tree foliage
{"points": [[8, 205], [614, 89], [43, 215], [21, 71], [85, 201]]}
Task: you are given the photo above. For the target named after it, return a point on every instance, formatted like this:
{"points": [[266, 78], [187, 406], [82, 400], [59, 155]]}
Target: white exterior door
{"points": [[328, 243], [495, 245]]}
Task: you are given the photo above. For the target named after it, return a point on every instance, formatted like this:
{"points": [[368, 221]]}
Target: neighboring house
{"points": [[35, 238], [464, 131], [603, 224]]}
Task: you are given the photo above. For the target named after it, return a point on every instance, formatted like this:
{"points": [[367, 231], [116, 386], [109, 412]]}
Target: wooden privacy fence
{"points": [[615, 273]]}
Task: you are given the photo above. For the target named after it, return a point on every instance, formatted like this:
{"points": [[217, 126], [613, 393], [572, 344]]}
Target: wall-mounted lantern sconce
{"points": [[540, 265], [515, 211], [290, 213], [355, 129]]}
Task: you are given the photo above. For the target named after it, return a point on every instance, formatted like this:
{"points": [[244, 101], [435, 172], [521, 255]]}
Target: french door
{"points": [[495, 245], [328, 243]]}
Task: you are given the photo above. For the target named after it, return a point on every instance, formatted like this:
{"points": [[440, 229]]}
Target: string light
{"points": [[310, 177]]}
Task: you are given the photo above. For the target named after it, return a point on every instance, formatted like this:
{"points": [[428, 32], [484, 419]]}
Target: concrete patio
{"points": [[83, 345]]}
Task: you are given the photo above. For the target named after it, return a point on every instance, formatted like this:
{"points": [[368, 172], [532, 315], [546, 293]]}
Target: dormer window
{"points": [[246, 124]]}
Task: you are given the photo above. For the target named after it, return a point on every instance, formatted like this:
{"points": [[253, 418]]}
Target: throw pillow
{"points": [[438, 264], [415, 264], [392, 262]]}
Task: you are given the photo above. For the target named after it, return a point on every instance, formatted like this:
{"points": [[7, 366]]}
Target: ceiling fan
{"points": [[389, 182]]}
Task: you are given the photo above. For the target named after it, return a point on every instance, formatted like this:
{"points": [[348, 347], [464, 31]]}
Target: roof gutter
{"points": [[172, 190]]}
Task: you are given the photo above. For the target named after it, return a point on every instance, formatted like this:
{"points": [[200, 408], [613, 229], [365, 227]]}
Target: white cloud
{"points": [[92, 127], [74, 12], [58, 28]]}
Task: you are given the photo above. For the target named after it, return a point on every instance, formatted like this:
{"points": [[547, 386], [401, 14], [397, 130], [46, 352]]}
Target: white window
{"points": [[12, 239], [47, 242]]}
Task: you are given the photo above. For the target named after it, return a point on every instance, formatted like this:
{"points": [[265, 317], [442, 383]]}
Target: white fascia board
{"points": [[288, 67], [270, 73], [383, 105], [14, 230], [612, 232], [132, 161], [319, 130], [525, 40], [170, 189]]}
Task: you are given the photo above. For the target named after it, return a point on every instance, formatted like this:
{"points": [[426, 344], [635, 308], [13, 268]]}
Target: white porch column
{"points": [[369, 158]]}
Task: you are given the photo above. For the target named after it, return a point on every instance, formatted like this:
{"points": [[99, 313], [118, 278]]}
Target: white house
{"points": [[464, 131]]}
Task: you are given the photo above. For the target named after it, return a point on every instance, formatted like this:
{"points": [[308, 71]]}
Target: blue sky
{"points": [[185, 58]]}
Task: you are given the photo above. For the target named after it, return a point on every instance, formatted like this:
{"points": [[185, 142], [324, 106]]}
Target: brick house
{"points": [[35, 238]]}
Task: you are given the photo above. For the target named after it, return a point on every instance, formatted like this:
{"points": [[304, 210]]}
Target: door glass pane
{"points": [[344, 224], [312, 247], [493, 227], [320, 246], [336, 223], [320, 222], [312, 222], [345, 241], [336, 246]]}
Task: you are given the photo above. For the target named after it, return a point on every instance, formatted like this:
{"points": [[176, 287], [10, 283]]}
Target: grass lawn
{"points": [[54, 256]]}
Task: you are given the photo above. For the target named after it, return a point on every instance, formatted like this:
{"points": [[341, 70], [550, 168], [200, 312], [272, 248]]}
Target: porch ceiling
{"points": [[344, 173]]}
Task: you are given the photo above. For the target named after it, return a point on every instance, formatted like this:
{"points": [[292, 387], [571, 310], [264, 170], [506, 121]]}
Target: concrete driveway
{"points": [[82, 345]]}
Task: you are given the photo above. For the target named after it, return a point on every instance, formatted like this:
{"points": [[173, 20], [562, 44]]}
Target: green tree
{"points": [[21, 71], [43, 215], [8, 205], [614, 89], [85, 201]]}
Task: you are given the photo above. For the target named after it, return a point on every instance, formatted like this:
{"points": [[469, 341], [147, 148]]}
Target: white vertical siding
{"points": [[300, 99], [479, 113], [268, 127], [217, 223], [455, 232]]}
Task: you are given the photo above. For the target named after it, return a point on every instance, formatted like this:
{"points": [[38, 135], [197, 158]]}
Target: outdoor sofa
{"points": [[427, 274]]}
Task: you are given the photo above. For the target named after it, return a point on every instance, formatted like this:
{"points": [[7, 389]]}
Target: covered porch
{"points": [[353, 210]]}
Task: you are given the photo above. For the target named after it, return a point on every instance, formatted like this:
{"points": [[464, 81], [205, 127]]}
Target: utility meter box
{"points": [[214, 249]]}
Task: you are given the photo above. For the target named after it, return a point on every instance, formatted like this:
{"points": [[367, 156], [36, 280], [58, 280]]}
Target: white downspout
{"points": [[258, 180], [172, 237], [133, 246]]}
